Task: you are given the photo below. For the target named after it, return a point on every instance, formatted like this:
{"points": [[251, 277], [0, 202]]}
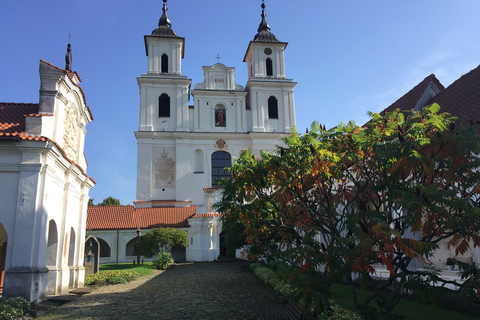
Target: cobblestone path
{"points": [[209, 290]]}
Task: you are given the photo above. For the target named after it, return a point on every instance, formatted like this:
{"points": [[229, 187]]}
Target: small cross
{"points": [[218, 58], [69, 36]]}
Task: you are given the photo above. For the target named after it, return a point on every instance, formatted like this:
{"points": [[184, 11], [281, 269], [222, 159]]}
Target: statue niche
{"points": [[220, 117]]}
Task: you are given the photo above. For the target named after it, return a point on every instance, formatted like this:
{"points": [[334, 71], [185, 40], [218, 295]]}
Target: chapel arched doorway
{"points": [[3, 255]]}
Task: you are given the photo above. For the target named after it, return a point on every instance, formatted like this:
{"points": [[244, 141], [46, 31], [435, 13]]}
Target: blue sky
{"points": [[348, 57]]}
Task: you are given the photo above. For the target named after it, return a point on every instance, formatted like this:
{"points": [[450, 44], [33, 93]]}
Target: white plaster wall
{"points": [[8, 205]]}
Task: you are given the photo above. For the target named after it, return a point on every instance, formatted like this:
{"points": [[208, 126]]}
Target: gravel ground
{"points": [[208, 290]]}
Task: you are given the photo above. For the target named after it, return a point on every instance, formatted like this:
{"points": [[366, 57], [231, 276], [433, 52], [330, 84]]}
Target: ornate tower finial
{"points": [[263, 25], [68, 57], [164, 21], [164, 25], [264, 33]]}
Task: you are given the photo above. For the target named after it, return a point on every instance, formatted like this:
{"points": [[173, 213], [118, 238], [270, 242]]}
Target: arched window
{"points": [[71, 248], [220, 160], [220, 117], [164, 63], [269, 67], [272, 108], [164, 106], [104, 248], [199, 167], [52, 243]]}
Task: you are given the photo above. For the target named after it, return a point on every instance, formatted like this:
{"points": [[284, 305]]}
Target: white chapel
{"points": [[187, 136]]}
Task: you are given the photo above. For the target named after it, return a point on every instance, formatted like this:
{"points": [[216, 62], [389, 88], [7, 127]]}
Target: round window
{"points": [[268, 51]]}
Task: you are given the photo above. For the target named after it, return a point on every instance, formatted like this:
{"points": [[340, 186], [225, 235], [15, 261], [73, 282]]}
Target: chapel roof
{"points": [[164, 25], [12, 119], [264, 34], [12, 125], [462, 98], [129, 217], [410, 99]]}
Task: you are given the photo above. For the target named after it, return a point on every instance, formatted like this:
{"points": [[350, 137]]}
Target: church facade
{"points": [[186, 137], [43, 203]]}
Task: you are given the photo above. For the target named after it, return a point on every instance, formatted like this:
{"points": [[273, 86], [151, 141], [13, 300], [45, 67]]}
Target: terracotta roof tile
{"points": [[12, 125], [110, 217], [462, 98], [211, 189], [127, 217], [410, 99], [208, 215], [12, 117]]}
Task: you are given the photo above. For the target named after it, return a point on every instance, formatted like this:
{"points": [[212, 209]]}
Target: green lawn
{"points": [[408, 308], [142, 269]]}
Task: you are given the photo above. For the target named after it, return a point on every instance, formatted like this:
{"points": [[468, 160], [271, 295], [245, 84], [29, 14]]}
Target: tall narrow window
{"points": [[220, 160], [269, 67], [164, 106], [272, 108], [164, 63]]}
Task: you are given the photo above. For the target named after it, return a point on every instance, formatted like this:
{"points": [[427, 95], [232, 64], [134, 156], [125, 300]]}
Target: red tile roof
{"points": [[211, 189], [127, 217], [12, 125], [208, 215], [12, 117], [410, 99], [462, 98]]}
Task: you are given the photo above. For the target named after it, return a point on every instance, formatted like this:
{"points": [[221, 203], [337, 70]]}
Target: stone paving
{"points": [[208, 290]]}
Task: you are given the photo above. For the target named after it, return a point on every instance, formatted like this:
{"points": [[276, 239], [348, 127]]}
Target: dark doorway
{"points": [[223, 248]]}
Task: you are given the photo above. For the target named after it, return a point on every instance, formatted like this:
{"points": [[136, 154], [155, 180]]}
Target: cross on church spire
{"points": [[218, 58]]}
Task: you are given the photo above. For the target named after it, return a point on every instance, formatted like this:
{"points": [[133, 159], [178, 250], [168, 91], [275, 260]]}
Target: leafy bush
{"points": [[101, 277], [163, 260], [116, 280], [269, 277], [339, 313], [13, 308]]}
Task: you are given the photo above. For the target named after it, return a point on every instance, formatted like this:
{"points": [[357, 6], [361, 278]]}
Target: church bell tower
{"points": [[270, 93]]}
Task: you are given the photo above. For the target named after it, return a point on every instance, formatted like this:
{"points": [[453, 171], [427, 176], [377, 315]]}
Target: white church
{"points": [[186, 137]]}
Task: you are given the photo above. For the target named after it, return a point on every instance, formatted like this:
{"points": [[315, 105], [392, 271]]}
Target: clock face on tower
{"points": [[267, 51]]}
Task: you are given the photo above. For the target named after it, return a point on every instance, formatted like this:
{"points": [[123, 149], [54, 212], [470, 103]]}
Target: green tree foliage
{"points": [[110, 201], [161, 240], [90, 202], [336, 202]]}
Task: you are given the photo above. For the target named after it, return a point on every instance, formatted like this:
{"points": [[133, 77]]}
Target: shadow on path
{"points": [[207, 290]]}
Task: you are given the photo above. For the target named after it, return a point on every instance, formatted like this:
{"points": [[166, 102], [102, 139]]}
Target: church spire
{"points": [[164, 25], [264, 34]]}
